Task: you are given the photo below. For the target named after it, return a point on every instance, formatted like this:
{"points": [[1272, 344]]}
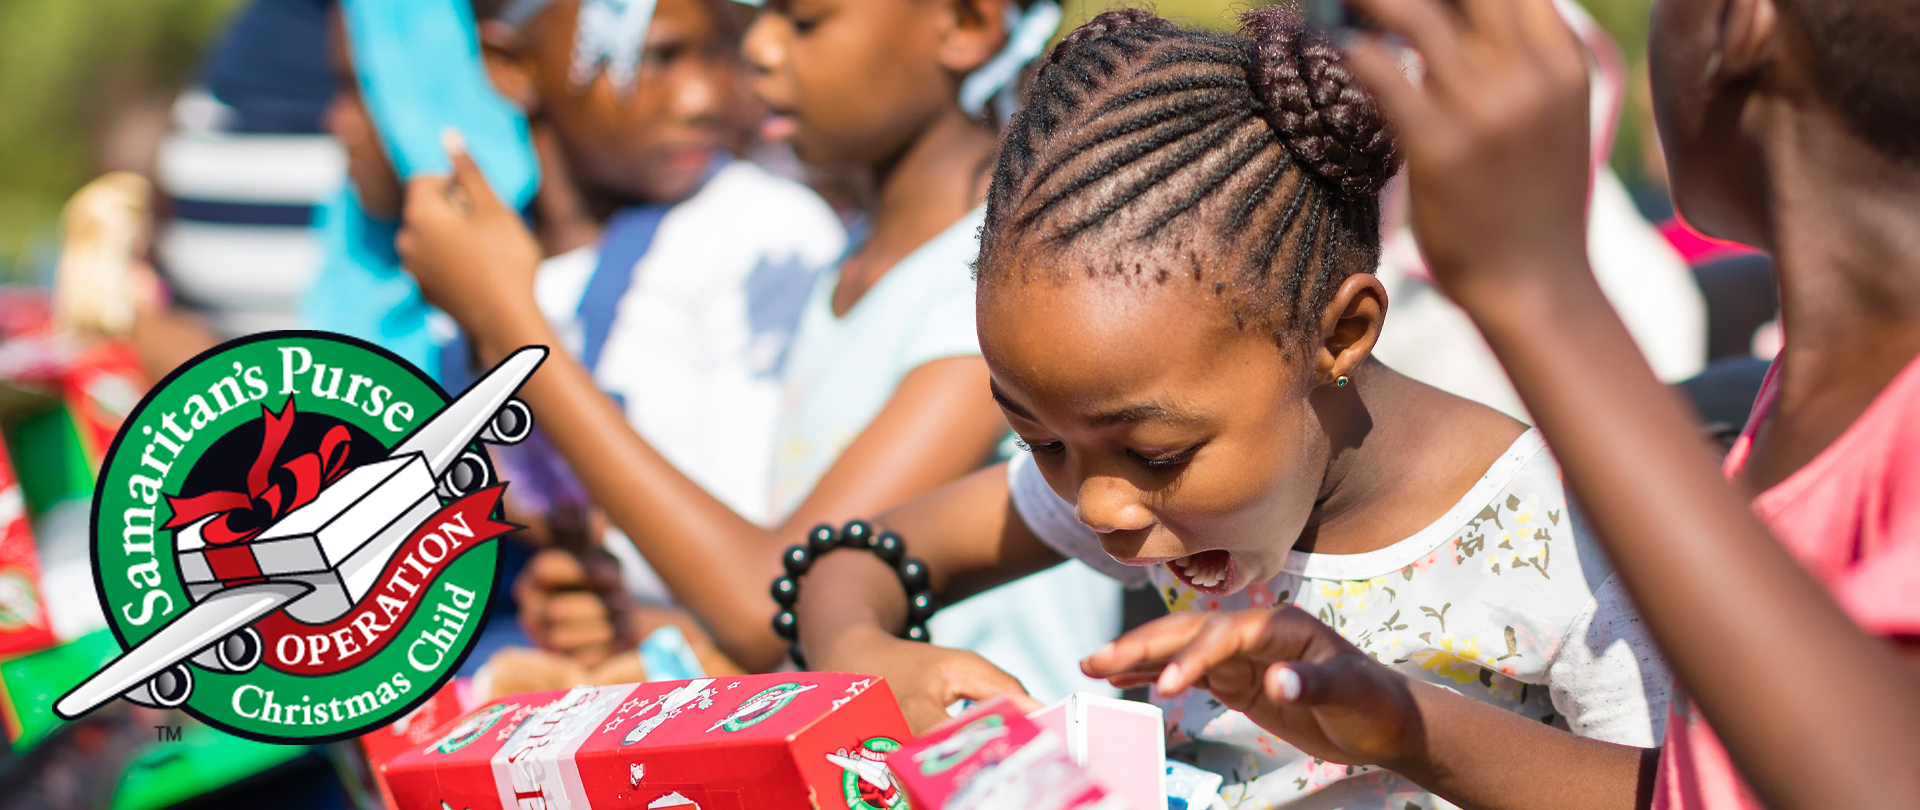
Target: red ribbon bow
{"points": [[264, 501]]}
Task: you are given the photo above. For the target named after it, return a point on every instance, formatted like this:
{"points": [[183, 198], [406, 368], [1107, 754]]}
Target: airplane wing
{"points": [[870, 772], [208, 621], [442, 438]]}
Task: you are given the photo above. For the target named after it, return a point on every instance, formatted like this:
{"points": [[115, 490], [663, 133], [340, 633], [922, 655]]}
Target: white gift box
{"points": [[338, 543], [1123, 742]]}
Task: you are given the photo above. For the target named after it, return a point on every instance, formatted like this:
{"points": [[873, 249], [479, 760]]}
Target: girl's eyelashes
{"points": [[1038, 446], [803, 26], [1165, 462]]}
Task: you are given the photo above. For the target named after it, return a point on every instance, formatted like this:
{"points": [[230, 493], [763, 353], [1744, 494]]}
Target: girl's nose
{"points": [[1108, 504], [697, 96], [764, 47]]}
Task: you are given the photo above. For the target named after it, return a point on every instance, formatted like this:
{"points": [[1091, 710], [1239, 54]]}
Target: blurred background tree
{"points": [[85, 87]]}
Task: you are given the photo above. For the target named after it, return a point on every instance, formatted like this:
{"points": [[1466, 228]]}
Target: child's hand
{"points": [[1495, 137], [470, 252], [1289, 673], [572, 607], [927, 679]]}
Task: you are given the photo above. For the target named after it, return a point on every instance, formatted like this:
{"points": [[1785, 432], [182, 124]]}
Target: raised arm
{"points": [[1496, 143], [852, 606], [475, 259]]}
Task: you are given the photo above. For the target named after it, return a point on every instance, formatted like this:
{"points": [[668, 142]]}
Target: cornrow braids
{"points": [[1140, 135]]}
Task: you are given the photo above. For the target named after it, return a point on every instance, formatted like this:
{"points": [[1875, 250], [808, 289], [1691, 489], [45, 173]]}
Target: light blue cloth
{"points": [[361, 290], [420, 72]]}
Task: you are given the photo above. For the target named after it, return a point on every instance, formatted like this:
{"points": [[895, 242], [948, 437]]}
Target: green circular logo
{"points": [[962, 744], [292, 536], [472, 728], [865, 783], [762, 705]]}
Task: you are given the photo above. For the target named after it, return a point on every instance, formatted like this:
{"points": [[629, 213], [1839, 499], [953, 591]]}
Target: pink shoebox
{"points": [[992, 758], [1123, 742]]}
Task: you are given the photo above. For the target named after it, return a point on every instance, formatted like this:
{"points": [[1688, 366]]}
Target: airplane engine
{"points": [[467, 474], [510, 425], [167, 689], [240, 651]]}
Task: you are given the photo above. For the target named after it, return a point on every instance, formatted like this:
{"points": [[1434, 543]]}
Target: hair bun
{"points": [[1326, 119], [1103, 24]]}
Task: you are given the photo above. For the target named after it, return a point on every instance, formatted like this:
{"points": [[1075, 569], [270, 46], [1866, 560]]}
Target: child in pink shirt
{"points": [[1787, 605], [1851, 517]]}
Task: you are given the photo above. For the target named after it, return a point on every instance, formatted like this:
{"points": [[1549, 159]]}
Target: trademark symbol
{"points": [[167, 733]]}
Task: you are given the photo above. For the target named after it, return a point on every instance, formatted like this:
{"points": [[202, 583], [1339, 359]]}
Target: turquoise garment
{"points": [[361, 290], [420, 72]]}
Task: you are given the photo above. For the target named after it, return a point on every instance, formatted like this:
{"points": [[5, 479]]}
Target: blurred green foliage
{"points": [[1625, 19], [66, 68]]}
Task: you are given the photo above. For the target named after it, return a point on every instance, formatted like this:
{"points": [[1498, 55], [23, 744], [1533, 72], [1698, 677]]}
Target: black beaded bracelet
{"points": [[855, 535]]}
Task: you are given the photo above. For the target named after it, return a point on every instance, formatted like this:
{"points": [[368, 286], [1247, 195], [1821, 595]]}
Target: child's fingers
{"points": [[553, 569], [1544, 29], [1262, 635], [1496, 20], [1222, 637], [1407, 108], [985, 682], [1428, 25], [1342, 681], [426, 200], [1146, 645], [469, 182]]}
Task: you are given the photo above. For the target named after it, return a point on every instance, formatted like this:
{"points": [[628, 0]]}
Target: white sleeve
{"points": [[559, 285], [1052, 520], [1608, 679]]}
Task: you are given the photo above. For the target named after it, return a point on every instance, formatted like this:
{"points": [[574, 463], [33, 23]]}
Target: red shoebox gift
{"points": [[24, 625], [993, 757], [783, 740]]}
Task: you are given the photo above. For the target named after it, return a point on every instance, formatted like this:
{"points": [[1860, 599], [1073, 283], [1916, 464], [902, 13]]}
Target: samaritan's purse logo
{"points": [[291, 536]]}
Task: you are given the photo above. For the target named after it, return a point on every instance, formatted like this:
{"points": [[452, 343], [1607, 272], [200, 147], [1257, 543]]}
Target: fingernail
{"points": [[1168, 677], [452, 140], [1289, 684], [1104, 649]]}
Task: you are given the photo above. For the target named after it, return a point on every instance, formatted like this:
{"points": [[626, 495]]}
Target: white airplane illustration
{"points": [[320, 559], [692, 693], [869, 771]]}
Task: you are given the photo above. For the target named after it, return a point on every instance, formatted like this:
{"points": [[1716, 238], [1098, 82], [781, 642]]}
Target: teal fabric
{"points": [[420, 72], [361, 290]]}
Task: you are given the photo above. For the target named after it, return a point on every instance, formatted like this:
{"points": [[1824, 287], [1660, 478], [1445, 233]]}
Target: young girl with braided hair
{"points": [[1176, 305], [1787, 602]]}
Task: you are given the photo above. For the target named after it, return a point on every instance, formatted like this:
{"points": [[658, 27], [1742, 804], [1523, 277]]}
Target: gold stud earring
{"points": [[1342, 381]]}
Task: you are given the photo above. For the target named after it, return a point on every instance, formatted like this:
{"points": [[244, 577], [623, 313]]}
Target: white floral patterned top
{"points": [[1504, 599]]}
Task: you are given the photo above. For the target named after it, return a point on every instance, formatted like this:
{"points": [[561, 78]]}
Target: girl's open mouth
{"points": [[1210, 572]]}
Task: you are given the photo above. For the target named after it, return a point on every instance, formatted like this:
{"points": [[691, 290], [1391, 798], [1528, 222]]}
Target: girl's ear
{"points": [[974, 31], [502, 51], [1744, 43], [1350, 327]]}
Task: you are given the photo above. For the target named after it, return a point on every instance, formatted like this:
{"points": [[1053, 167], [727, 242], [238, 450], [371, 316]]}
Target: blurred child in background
{"points": [[686, 291], [886, 396], [1789, 125]]}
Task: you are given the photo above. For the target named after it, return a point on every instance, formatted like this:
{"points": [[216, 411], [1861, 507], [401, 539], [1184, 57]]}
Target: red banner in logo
{"points": [[404, 584]]}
